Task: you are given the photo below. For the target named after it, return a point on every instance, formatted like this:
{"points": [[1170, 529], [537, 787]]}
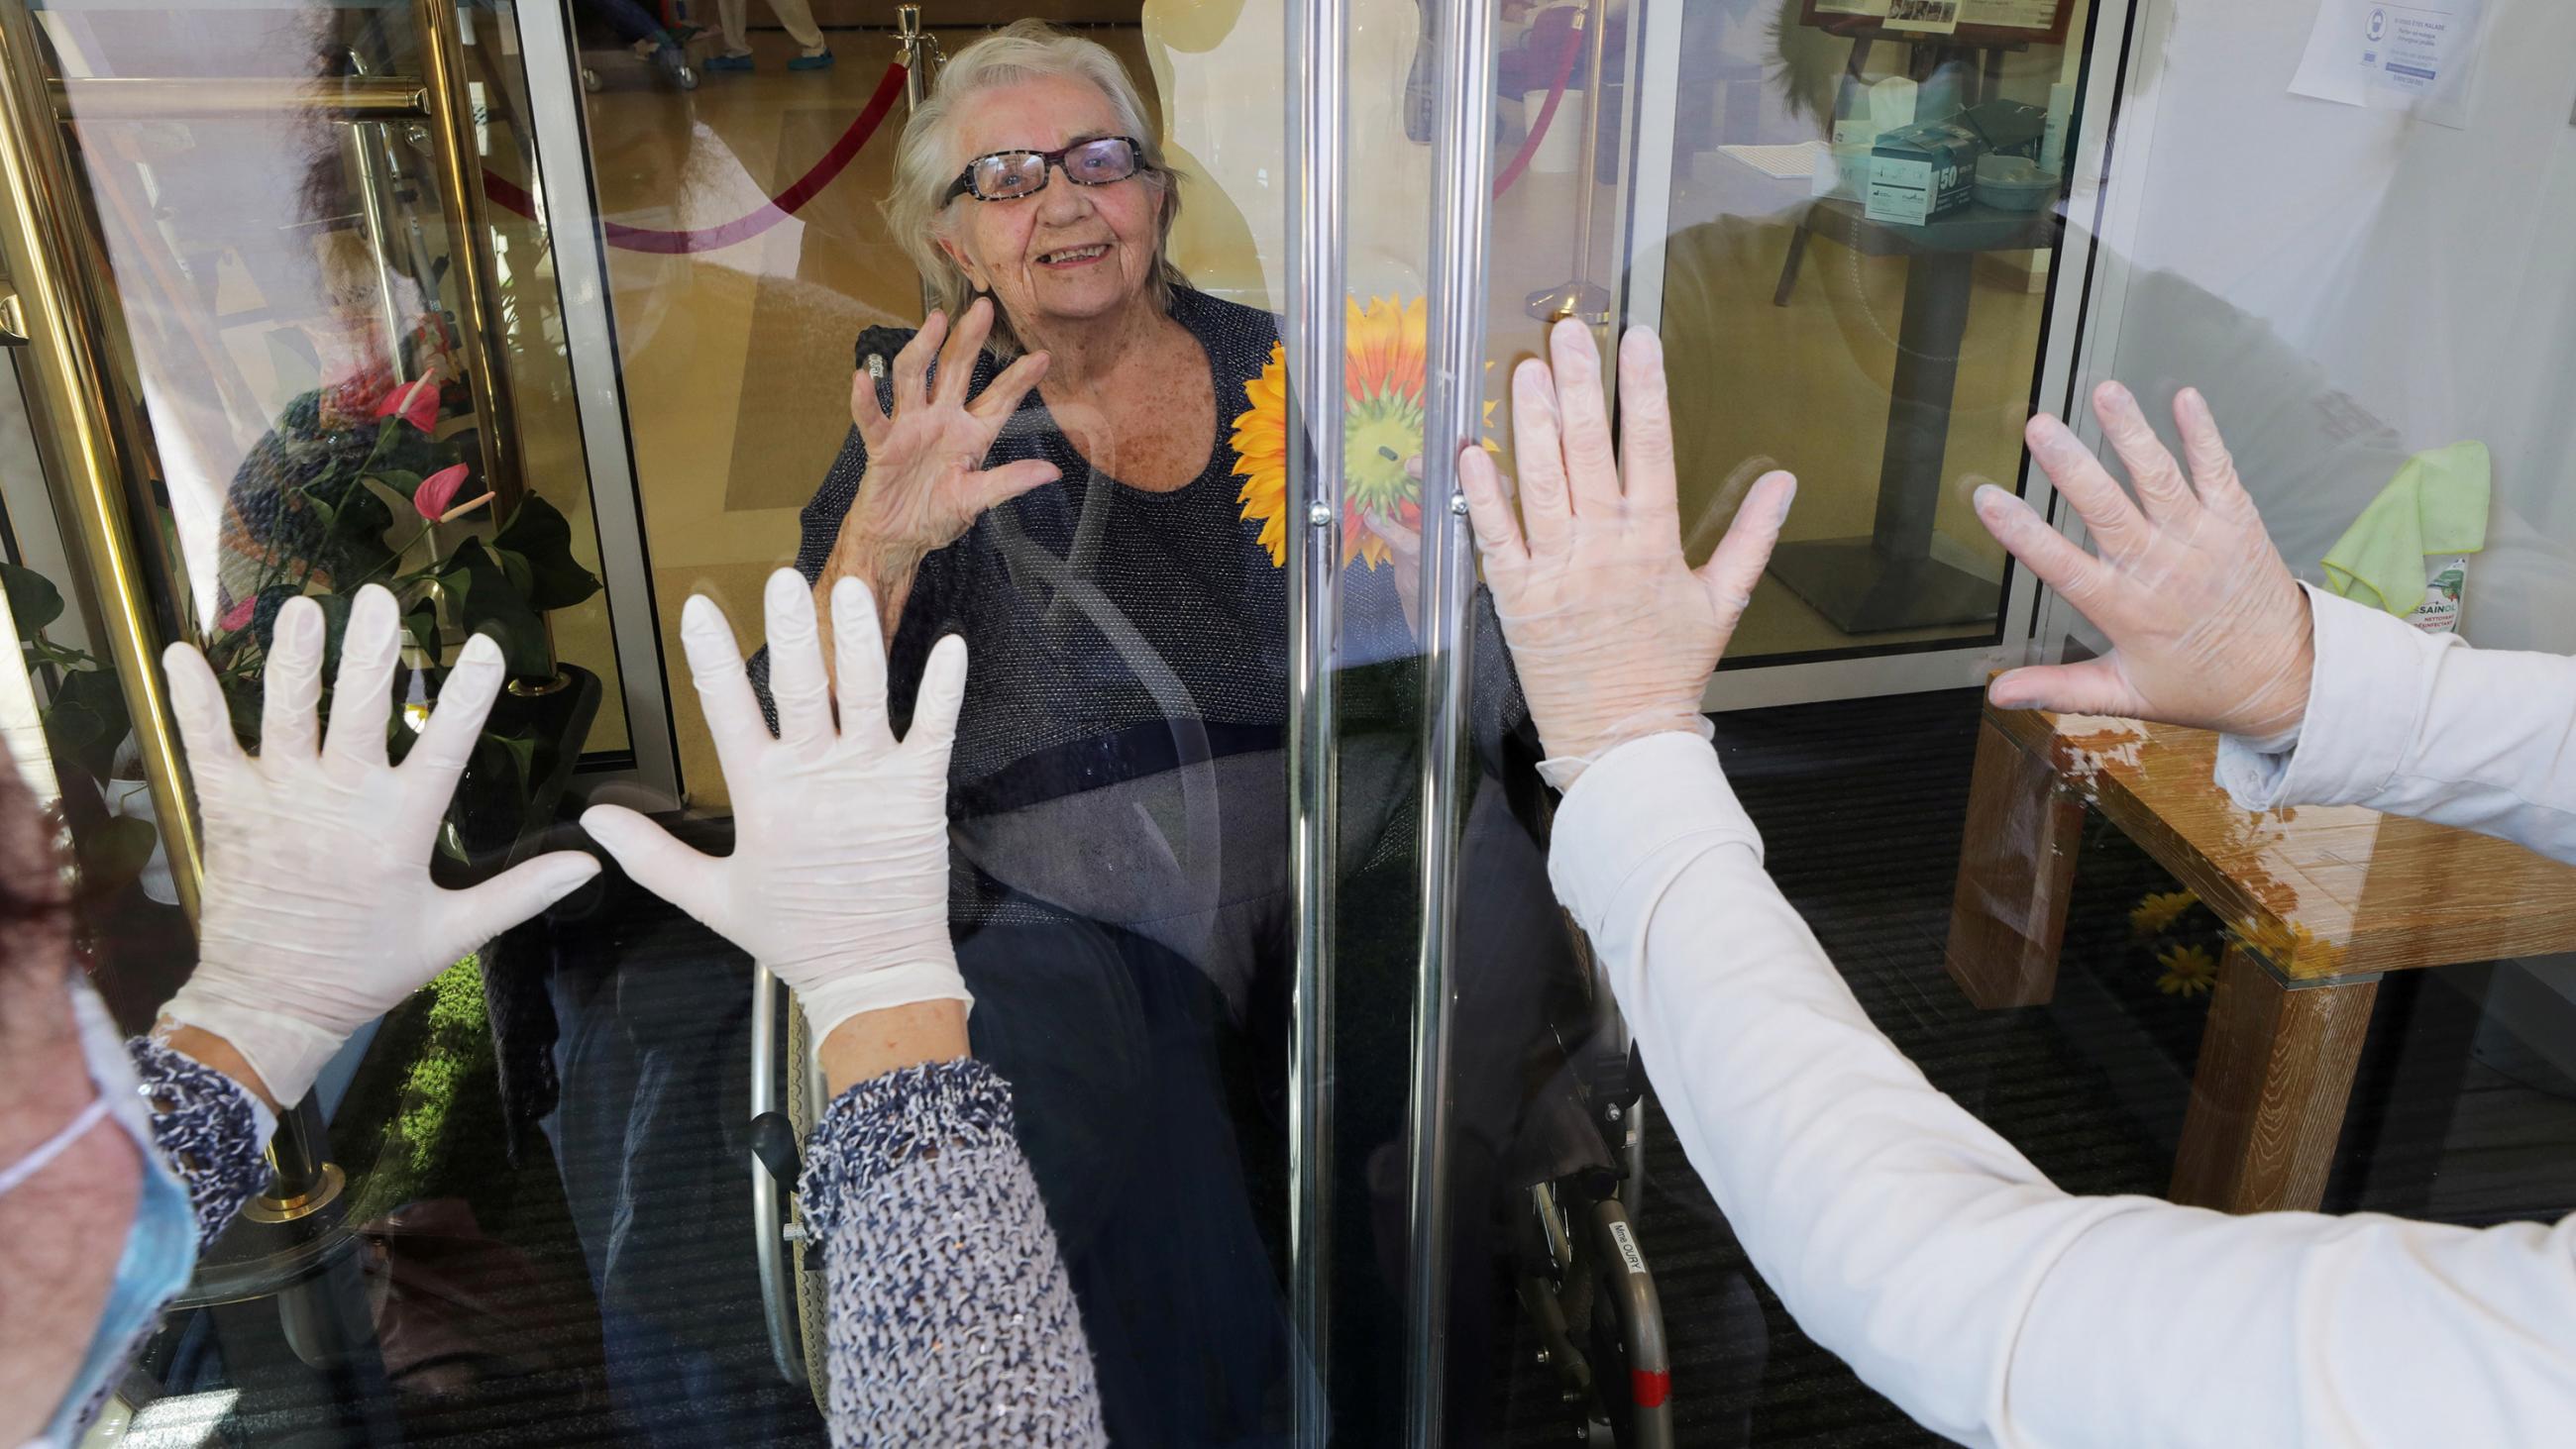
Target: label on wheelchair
{"points": [[1628, 1253]]}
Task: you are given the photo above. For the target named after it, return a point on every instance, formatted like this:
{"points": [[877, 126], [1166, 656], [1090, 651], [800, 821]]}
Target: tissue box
{"points": [[1922, 172]]}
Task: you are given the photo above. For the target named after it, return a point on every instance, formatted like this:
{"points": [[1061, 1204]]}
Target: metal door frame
{"points": [[95, 439], [558, 123]]}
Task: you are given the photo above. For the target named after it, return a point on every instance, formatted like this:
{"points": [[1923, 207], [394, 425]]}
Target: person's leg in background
{"points": [[734, 22], [640, 27], [796, 17]]}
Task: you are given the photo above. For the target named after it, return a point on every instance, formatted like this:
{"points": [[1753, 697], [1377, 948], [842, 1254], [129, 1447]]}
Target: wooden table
{"points": [[2319, 903]]}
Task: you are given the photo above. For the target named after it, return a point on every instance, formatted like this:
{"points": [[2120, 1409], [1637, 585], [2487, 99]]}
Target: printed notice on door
{"points": [[2417, 57]]}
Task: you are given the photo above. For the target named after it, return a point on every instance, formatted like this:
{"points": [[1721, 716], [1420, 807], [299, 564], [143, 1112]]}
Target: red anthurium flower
{"points": [[437, 492], [239, 615], [415, 402]]}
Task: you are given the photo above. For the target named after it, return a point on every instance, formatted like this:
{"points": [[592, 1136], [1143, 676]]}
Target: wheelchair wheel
{"points": [[805, 1101]]}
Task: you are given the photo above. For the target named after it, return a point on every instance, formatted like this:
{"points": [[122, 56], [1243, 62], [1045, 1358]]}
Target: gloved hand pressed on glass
{"points": [[2207, 627], [1614, 635], [838, 881], [318, 911]]}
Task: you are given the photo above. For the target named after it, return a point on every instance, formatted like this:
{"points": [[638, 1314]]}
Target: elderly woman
{"points": [[1045, 468]]}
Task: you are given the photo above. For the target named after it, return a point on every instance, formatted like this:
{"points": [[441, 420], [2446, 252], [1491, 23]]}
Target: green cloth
{"points": [[2436, 507]]}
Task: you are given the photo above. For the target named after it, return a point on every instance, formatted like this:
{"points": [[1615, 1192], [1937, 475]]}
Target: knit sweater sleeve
{"points": [[951, 1319], [213, 1133]]}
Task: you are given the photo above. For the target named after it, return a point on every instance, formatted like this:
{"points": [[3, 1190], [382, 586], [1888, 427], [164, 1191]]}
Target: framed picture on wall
{"points": [[1965, 22]]}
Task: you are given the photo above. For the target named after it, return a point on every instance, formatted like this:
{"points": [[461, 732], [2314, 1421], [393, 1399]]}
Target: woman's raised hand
{"points": [[2207, 627], [926, 479]]}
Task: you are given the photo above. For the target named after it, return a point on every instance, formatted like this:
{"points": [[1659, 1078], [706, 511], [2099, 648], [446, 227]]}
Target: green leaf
{"points": [[242, 702], [73, 734], [90, 706], [335, 627], [402, 448], [33, 600], [113, 854], [422, 624], [515, 566], [358, 550], [486, 603], [520, 751], [541, 536]]}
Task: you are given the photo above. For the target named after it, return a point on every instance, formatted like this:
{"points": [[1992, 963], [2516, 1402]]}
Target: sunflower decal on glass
{"points": [[1381, 428]]}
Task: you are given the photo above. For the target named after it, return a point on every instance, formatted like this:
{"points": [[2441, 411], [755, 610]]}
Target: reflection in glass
{"points": [[1886, 357]]}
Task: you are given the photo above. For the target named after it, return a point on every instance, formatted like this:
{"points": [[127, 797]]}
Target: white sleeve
{"points": [[2423, 725], [1907, 1237]]}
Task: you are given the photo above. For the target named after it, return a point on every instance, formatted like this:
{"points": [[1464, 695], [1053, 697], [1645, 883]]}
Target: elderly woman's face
{"points": [[1068, 253]]}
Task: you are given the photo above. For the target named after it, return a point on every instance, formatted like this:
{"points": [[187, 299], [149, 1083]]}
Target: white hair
{"points": [[927, 160]]}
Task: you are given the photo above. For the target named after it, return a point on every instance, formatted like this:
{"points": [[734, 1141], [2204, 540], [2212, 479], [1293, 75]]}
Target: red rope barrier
{"points": [[743, 228], [1546, 113]]}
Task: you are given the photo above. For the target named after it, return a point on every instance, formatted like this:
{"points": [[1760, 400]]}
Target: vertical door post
{"points": [[1453, 416], [1318, 71]]}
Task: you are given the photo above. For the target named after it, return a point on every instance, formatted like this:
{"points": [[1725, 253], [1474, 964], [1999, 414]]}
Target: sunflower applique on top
{"points": [[1382, 388]]}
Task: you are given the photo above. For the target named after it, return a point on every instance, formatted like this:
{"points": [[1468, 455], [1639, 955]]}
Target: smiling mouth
{"points": [[1072, 255]]}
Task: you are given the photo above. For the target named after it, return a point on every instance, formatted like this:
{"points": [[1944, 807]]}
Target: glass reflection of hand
{"points": [[838, 881], [319, 913], [2207, 627], [1403, 541], [1613, 634], [925, 481]]}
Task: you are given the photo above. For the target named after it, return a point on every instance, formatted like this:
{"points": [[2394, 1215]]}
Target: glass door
{"points": [[1889, 358], [278, 334]]}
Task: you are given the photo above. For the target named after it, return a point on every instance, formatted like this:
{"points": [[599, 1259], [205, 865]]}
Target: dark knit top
{"points": [[1115, 635]]}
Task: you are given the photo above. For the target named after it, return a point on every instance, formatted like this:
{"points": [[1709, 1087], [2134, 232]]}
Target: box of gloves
{"points": [[1920, 173]]}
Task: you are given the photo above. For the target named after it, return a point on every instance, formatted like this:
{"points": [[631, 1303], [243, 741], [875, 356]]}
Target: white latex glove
{"points": [[1613, 634], [319, 914], [838, 881], [2206, 625]]}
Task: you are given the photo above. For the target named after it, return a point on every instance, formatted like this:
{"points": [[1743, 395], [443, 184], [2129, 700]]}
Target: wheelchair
{"points": [[1581, 1281]]}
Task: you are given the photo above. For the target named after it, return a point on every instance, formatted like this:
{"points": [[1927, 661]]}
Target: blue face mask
{"points": [[160, 1249]]}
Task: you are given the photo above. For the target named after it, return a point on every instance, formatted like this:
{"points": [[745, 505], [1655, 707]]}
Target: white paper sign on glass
{"points": [[2380, 54]]}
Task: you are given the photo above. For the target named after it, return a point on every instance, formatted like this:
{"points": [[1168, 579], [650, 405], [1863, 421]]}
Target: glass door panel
{"points": [[1888, 358], [251, 344], [1119, 895], [276, 348], [1672, 165]]}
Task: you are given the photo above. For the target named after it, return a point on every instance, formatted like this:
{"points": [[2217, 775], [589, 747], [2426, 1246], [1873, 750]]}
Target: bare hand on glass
{"points": [[1613, 634], [926, 483], [2207, 627]]}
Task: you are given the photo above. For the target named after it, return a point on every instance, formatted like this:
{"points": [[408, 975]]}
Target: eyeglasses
{"points": [[1010, 175]]}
